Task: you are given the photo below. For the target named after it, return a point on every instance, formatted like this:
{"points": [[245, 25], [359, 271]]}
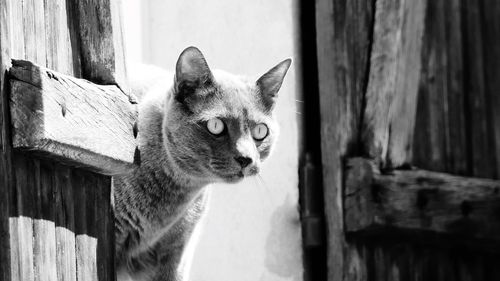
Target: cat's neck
{"points": [[152, 147]]}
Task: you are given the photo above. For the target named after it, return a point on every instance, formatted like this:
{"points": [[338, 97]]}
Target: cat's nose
{"points": [[243, 161]]}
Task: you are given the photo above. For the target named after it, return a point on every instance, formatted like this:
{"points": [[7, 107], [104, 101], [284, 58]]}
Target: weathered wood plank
{"points": [[34, 31], [73, 119], [343, 42], [44, 230], [65, 225], [440, 141], [90, 235], [59, 50], [391, 93], [15, 24], [105, 229], [429, 149], [22, 253], [101, 42], [7, 207], [421, 200], [491, 47], [85, 243], [482, 154], [456, 139]]}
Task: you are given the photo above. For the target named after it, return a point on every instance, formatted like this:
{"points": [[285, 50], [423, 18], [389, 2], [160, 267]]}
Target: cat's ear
{"points": [[270, 83], [192, 71]]}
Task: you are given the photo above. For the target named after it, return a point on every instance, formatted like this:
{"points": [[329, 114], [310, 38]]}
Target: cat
{"points": [[196, 127]]}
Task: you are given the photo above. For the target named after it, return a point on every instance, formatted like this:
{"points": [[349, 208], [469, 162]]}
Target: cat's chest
{"points": [[168, 221]]}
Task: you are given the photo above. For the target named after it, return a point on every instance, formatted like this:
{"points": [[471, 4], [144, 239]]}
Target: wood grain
{"points": [[391, 94], [73, 119], [15, 26], [482, 158], [85, 243], [65, 225], [105, 228], [421, 200], [7, 207], [101, 41], [440, 142], [491, 47], [37, 221], [34, 30], [22, 225], [59, 50], [44, 231], [343, 38]]}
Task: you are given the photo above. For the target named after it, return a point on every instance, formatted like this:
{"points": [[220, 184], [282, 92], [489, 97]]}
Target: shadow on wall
{"points": [[281, 247]]}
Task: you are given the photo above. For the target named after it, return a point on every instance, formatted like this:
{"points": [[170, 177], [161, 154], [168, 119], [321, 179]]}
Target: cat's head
{"points": [[220, 127]]}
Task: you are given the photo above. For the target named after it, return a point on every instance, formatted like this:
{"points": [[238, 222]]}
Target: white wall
{"points": [[252, 230]]}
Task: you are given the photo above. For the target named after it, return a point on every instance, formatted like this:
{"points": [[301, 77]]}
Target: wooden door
{"points": [[410, 112], [56, 151]]}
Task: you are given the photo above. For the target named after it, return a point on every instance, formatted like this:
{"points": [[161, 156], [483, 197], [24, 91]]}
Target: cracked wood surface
{"points": [[72, 119], [420, 200], [391, 94]]}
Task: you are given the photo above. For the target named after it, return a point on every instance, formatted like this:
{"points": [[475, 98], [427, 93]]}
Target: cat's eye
{"points": [[260, 132], [215, 126]]}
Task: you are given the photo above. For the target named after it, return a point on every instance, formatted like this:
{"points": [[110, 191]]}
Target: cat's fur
{"points": [[158, 206]]}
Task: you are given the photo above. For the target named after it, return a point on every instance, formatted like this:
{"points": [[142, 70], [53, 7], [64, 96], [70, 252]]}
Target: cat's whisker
{"points": [[299, 101], [266, 187], [258, 182]]}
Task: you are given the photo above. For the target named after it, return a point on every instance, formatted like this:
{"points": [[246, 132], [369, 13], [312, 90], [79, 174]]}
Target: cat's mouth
{"points": [[233, 178], [240, 175]]}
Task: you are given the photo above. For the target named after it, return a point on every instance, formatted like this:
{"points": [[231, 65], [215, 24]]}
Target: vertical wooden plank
{"points": [[7, 207], [65, 225], [91, 204], [34, 31], [74, 36], [481, 147], [343, 42], [357, 262], [444, 266], [403, 108], [44, 239], [491, 31], [100, 40], [391, 93], [16, 29], [456, 141], [25, 190], [58, 44], [430, 128], [84, 187], [380, 263], [118, 44], [81, 239], [104, 219]]}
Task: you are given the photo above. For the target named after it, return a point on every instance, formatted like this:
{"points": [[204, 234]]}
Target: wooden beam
{"points": [[391, 93], [72, 119], [420, 200]]}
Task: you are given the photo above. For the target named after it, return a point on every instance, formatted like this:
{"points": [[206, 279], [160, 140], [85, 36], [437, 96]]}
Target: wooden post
{"points": [[368, 67], [55, 217], [6, 183], [343, 36]]}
